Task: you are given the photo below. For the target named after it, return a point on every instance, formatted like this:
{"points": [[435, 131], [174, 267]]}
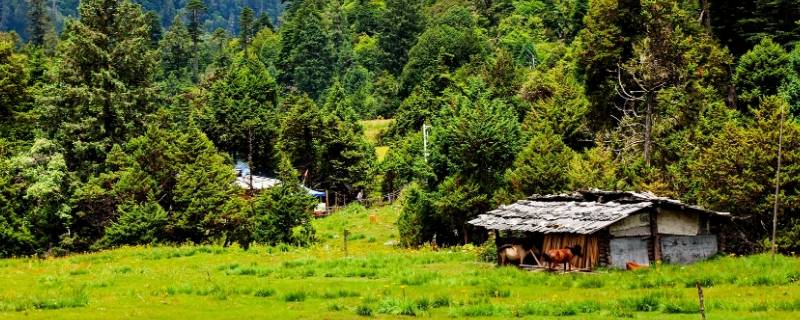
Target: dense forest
{"points": [[120, 121]]}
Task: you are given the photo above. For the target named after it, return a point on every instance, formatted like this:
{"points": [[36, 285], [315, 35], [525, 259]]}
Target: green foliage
{"points": [[105, 88], [737, 172], [283, 213], [175, 173], [539, 168], [414, 222], [307, 52], [448, 43], [13, 85], [34, 195], [241, 116], [557, 104], [247, 27], [138, 224], [478, 128], [761, 72], [327, 144], [176, 51], [401, 23]]}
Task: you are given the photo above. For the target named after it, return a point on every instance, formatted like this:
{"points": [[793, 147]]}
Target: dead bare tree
{"points": [[656, 64]]}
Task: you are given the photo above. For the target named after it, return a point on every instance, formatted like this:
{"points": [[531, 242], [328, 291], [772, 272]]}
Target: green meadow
{"points": [[378, 280]]}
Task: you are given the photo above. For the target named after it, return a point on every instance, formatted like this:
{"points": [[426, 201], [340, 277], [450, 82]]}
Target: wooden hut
{"points": [[612, 227]]}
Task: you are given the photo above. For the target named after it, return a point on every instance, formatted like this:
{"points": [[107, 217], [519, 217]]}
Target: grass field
{"points": [[372, 128], [379, 281]]}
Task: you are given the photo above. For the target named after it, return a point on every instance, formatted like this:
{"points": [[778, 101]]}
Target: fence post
{"points": [[346, 233], [702, 303]]}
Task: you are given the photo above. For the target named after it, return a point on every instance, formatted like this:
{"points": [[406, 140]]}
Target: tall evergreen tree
{"points": [[196, 8], [401, 23], [307, 55], [155, 27], [38, 22], [246, 27], [176, 51], [105, 87]]}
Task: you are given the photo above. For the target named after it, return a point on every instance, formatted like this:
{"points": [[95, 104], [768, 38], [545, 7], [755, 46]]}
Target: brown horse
{"points": [[563, 255], [512, 254]]}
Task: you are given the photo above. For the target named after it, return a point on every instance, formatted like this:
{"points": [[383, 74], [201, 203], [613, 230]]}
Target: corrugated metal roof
{"points": [[557, 217], [259, 183], [582, 212]]}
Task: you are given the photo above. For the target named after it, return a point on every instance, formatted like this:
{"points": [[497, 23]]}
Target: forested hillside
{"points": [[116, 131], [219, 14]]}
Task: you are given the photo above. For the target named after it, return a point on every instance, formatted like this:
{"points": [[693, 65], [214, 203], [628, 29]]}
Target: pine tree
{"points": [[155, 27], [264, 21], [38, 22], [176, 50], [401, 23], [307, 55], [246, 27], [196, 8], [105, 86]]}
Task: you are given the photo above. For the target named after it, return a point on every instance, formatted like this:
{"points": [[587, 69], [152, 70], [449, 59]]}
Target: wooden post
{"points": [[346, 233], [327, 204], [702, 303], [655, 235], [777, 188]]}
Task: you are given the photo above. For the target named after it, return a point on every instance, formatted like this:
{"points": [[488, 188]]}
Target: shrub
{"points": [[364, 310], [295, 296], [681, 306], [137, 224], [335, 307], [647, 303], [441, 301], [488, 251], [264, 292], [705, 281], [341, 293]]}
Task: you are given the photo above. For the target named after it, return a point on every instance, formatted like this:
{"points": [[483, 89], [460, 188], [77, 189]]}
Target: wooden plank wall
{"points": [[588, 243]]}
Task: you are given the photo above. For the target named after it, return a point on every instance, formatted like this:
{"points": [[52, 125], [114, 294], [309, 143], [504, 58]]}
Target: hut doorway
{"points": [[589, 245]]}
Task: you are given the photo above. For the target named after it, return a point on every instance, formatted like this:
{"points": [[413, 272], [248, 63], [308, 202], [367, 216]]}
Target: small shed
{"points": [[258, 183], [612, 227]]}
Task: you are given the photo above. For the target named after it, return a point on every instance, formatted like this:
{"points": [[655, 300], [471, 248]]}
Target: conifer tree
{"points": [[105, 86], [246, 27], [196, 8], [38, 22], [307, 55]]}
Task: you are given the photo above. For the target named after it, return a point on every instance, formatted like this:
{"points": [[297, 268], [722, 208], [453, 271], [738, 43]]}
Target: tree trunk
{"points": [[194, 61], [705, 17], [648, 127]]}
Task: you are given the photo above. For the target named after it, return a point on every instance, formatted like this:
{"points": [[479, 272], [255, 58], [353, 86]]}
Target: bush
{"points": [[295, 296], [283, 212], [394, 306], [681, 306], [364, 310], [137, 224], [648, 303], [488, 251], [263, 293]]}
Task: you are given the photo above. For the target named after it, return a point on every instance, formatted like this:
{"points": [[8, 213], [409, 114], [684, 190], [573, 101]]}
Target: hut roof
{"points": [[582, 212], [259, 182]]}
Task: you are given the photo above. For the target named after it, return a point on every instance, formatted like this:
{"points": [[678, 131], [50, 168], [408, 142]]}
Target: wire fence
{"points": [[336, 201]]}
